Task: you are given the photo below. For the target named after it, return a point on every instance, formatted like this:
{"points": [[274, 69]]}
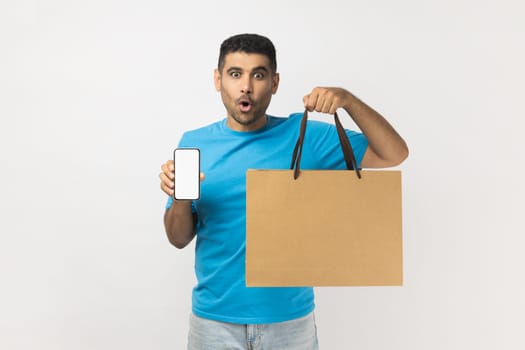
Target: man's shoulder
{"points": [[298, 116], [204, 130], [199, 136], [293, 121]]}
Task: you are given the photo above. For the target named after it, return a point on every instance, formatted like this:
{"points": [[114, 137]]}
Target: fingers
{"points": [[169, 169], [324, 100], [166, 184], [167, 177]]}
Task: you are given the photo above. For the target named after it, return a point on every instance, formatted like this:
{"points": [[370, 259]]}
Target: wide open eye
{"points": [[235, 74], [258, 75]]}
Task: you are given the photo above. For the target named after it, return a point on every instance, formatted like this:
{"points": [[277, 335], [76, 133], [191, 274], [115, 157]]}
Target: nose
{"points": [[246, 86]]}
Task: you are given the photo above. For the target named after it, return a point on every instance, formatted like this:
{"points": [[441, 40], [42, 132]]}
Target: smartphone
{"points": [[187, 173]]}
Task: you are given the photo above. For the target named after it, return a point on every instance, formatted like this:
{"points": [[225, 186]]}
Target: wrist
{"points": [[172, 202], [350, 101]]}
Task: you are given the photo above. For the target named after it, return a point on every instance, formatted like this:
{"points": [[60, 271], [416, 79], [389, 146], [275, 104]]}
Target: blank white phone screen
{"points": [[187, 173]]}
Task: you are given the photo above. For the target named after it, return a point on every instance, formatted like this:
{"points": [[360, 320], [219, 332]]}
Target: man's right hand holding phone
{"points": [[178, 219], [167, 177]]}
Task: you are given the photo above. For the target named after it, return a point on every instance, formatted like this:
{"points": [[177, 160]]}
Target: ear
{"points": [[275, 83], [217, 79]]}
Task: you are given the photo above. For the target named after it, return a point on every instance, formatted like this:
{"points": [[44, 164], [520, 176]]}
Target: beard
{"points": [[247, 119], [253, 117], [246, 111]]}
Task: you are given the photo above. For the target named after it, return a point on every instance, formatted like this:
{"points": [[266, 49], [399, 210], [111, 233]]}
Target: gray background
{"points": [[94, 95]]}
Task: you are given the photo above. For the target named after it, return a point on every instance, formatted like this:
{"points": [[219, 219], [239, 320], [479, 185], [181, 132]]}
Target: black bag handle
{"points": [[346, 147]]}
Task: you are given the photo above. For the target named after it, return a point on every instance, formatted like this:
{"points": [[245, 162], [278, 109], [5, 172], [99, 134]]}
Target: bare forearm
{"points": [[179, 224], [386, 146]]}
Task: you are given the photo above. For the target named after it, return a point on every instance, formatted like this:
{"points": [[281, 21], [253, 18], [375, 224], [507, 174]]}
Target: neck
{"points": [[236, 125]]}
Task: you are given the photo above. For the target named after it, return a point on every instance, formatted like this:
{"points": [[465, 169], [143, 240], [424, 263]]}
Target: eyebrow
{"points": [[259, 68]]}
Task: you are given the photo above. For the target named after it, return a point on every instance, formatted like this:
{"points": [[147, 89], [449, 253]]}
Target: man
{"points": [[226, 314]]}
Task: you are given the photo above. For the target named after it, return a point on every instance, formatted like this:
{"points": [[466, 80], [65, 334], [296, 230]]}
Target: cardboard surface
{"points": [[327, 228]]}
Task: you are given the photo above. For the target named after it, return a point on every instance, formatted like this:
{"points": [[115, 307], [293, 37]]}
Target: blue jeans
{"points": [[298, 334]]}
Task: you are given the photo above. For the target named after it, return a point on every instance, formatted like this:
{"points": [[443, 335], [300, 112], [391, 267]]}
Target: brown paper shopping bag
{"points": [[323, 227]]}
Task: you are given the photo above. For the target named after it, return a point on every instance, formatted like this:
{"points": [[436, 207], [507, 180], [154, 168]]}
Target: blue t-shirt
{"points": [[221, 293]]}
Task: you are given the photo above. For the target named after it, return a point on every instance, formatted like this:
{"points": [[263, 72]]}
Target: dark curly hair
{"points": [[249, 43]]}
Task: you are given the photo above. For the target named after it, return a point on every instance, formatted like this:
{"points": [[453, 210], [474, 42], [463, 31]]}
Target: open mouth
{"points": [[245, 105]]}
